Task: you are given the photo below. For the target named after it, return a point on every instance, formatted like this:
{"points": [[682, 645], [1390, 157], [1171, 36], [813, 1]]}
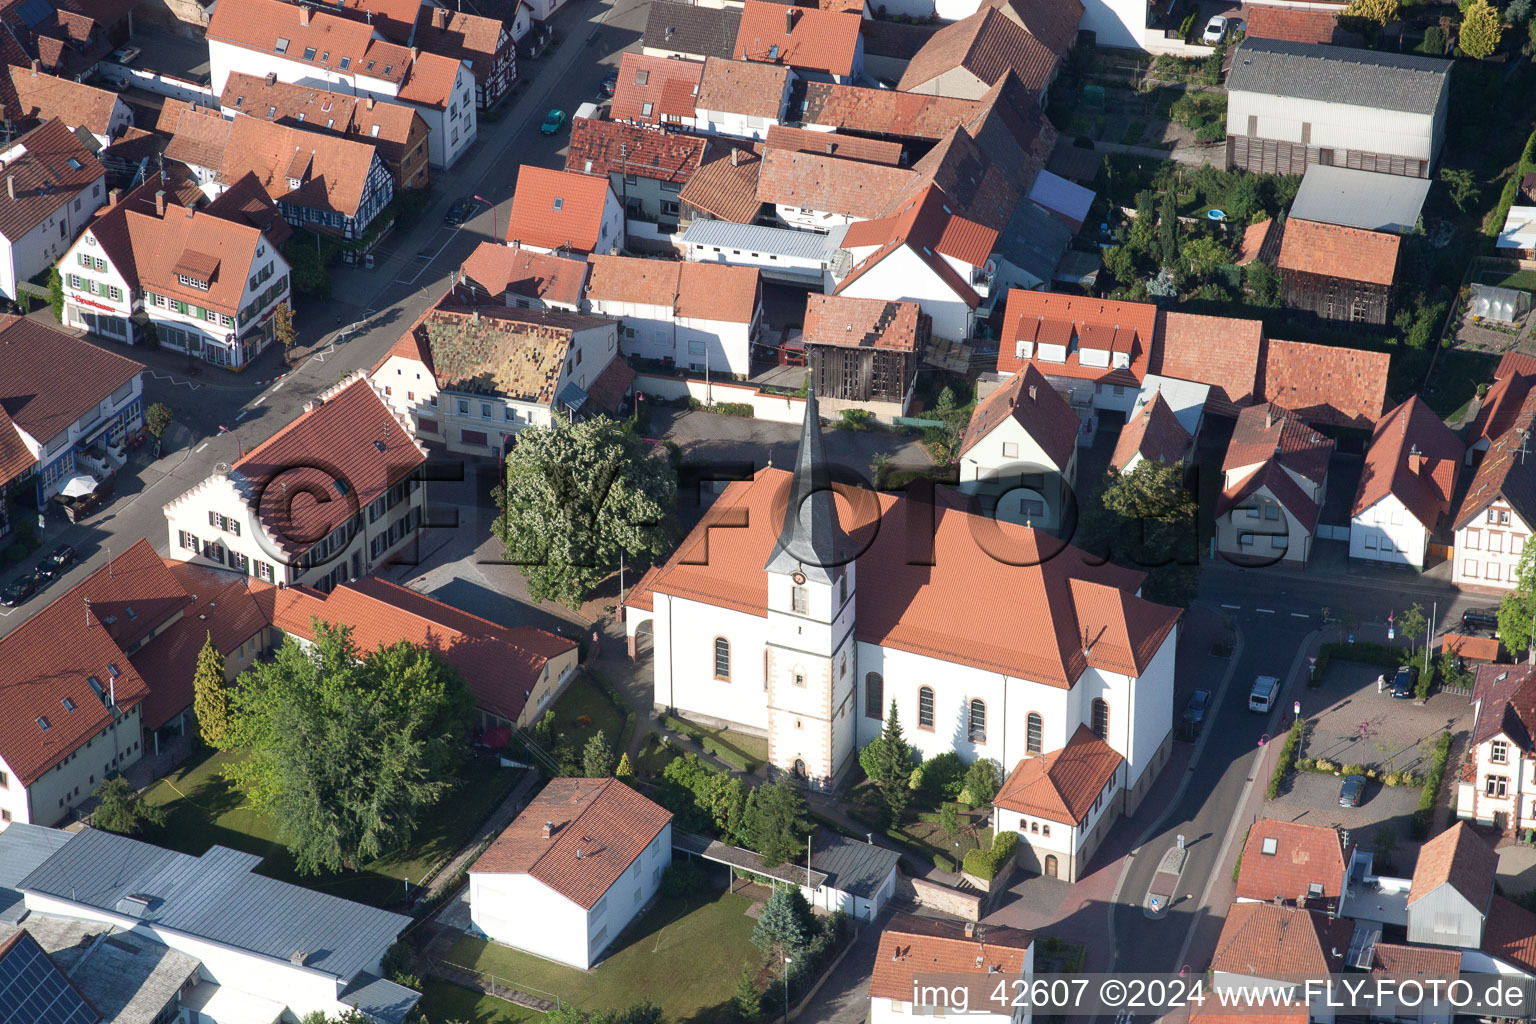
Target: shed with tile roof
{"points": [[1337, 273]]}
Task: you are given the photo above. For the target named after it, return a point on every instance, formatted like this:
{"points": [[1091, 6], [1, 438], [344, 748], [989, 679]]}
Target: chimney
{"points": [[114, 196], [370, 102], [831, 147], [36, 66], [735, 157], [309, 407], [415, 52], [1269, 417], [190, 211], [297, 957], [303, 15], [516, 243], [1032, 394], [549, 829], [789, 20], [271, 77], [1415, 460], [439, 17], [160, 202], [970, 929]]}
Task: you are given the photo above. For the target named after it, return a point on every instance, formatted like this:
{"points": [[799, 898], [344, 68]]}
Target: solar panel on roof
{"points": [[33, 991], [35, 12]]}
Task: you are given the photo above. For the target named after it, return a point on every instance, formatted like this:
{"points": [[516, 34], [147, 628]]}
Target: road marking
{"points": [[1265, 611], [1234, 607], [242, 414], [258, 401], [278, 386], [1300, 615], [200, 447]]}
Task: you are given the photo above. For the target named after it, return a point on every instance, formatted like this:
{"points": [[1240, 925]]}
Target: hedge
{"points": [[1365, 652], [1424, 815], [1287, 760], [984, 863], [1495, 222]]}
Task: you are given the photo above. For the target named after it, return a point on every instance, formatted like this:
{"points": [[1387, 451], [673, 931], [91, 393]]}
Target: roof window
{"points": [[379, 445], [74, 164], [112, 671], [375, 131], [69, 705], [388, 68], [96, 688], [282, 45], [773, 52], [239, 100], [559, 203], [43, 723], [341, 487], [642, 77], [370, 66], [271, 111], [325, 58], [309, 53], [1270, 846], [345, 63], [645, 108]]}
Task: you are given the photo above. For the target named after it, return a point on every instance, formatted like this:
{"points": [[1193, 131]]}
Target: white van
{"points": [[1262, 696], [589, 110]]}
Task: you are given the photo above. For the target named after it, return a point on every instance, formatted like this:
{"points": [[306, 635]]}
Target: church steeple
{"points": [[807, 542]]}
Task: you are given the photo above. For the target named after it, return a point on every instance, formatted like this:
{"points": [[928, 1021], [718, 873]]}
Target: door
{"points": [[1050, 865]]}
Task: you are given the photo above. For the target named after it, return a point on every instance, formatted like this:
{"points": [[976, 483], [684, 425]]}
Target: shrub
{"points": [[943, 863], [398, 959], [1187, 27], [984, 864], [942, 776], [855, 419], [683, 878], [1424, 815], [1287, 760], [1434, 40], [982, 780], [732, 409]]}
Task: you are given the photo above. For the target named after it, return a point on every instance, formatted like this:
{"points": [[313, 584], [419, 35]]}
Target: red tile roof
{"points": [[1294, 25], [1265, 432], [44, 96], [1331, 250], [1501, 406], [1280, 485], [1228, 353], [1424, 481], [1025, 618], [600, 827], [1260, 1013], [987, 44], [476, 40], [920, 946], [799, 37], [1507, 695], [1403, 961], [743, 87], [52, 169], [53, 656], [706, 291], [826, 184], [1255, 238], [725, 186], [1153, 432], [614, 147], [1342, 387], [612, 385], [15, 457], [259, 24], [1029, 313], [1053, 22], [392, 19], [883, 111], [1509, 934], [558, 208], [333, 169], [1460, 858], [1028, 398], [49, 379], [388, 127], [930, 230], [1062, 785], [500, 268], [1262, 940], [861, 323], [1504, 472], [668, 84], [1304, 855], [844, 147]]}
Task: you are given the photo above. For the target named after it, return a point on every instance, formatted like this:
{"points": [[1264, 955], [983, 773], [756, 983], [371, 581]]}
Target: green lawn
{"points": [[654, 758], [1525, 280], [585, 699], [204, 810], [1455, 379], [684, 955], [443, 1001], [743, 751]]}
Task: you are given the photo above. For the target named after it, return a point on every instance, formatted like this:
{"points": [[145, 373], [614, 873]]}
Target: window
{"points": [[485, 410], [925, 707], [1492, 571], [1271, 513], [1474, 539], [282, 45], [874, 695], [1101, 718], [977, 730], [1496, 542], [1497, 785], [1270, 846], [5, 781], [645, 108], [1010, 450], [1034, 728], [722, 658], [799, 601], [1469, 568], [463, 407], [346, 62], [1034, 827], [842, 588], [1498, 752]]}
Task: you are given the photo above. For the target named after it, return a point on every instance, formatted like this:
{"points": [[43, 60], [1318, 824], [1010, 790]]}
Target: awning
{"points": [[79, 486]]}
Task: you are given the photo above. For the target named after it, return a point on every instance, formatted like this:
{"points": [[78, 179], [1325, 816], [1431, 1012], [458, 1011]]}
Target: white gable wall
{"points": [[1486, 553], [1333, 125], [1388, 532], [902, 276]]}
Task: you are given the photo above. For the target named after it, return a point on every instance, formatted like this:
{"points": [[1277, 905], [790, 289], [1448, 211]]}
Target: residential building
{"points": [[1327, 385], [572, 870], [817, 192], [359, 466], [1153, 433], [42, 97], [1368, 200], [783, 255], [1020, 453], [1338, 273], [1228, 353], [645, 168], [863, 353], [264, 949], [1290, 105], [657, 90], [1267, 947], [1274, 479], [915, 948], [705, 317], [564, 212], [472, 376], [70, 403], [967, 57], [196, 282], [779, 633], [308, 46], [1094, 350], [886, 113], [17, 464], [743, 98], [1292, 863], [395, 130], [725, 185], [1453, 887], [1497, 785], [1298, 25], [823, 43], [52, 187], [883, 152], [1506, 404], [1496, 514], [69, 36], [692, 31], [1072, 790], [487, 46], [521, 278], [1404, 499]]}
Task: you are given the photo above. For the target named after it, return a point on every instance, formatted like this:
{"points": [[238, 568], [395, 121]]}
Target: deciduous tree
{"points": [[1379, 12], [157, 419], [123, 810], [575, 496], [1517, 611], [1145, 519], [282, 326], [1412, 625], [210, 695]]}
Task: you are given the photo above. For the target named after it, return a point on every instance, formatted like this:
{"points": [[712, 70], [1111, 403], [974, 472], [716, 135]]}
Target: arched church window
{"points": [[1100, 722], [1034, 729], [925, 707], [722, 658], [978, 721], [874, 695]]}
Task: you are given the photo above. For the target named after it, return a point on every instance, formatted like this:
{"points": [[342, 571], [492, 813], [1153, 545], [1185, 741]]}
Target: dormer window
{"points": [[301, 115], [1498, 752], [282, 45], [239, 100], [192, 282]]}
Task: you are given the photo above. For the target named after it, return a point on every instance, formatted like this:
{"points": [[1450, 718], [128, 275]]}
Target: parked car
{"points": [[59, 559], [126, 54], [1480, 620], [1215, 30], [458, 213], [1194, 711], [21, 588], [1402, 683], [611, 82], [1351, 792], [552, 122]]}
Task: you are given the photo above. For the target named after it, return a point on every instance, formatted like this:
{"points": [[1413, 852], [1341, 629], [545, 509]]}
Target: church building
{"points": [[800, 610]]}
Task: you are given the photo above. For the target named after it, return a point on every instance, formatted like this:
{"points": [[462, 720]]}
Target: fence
{"points": [[765, 406], [501, 988]]}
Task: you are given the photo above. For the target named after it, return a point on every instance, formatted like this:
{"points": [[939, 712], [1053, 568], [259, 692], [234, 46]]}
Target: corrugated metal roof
{"points": [[216, 897], [1360, 199], [859, 869], [1336, 74], [22, 848], [382, 1000], [804, 245]]}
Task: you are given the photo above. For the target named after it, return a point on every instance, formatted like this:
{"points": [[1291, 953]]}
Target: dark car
{"points": [[1195, 710], [610, 83], [458, 213], [59, 559], [20, 589], [1402, 683], [1480, 619], [1352, 791]]}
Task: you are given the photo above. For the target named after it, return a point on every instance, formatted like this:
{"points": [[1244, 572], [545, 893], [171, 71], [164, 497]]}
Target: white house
{"points": [[1020, 452], [818, 192], [53, 185], [914, 953], [1264, 947], [572, 870], [818, 42], [1071, 791], [741, 97], [1274, 478], [1293, 104], [778, 633], [330, 497], [855, 877], [1495, 517], [1153, 433], [564, 212], [1454, 902], [1499, 789], [702, 316], [522, 278], [1406, 485]]}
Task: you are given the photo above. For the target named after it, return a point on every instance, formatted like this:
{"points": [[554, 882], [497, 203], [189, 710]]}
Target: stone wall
{"points": [[183, 17], [964, 905]]}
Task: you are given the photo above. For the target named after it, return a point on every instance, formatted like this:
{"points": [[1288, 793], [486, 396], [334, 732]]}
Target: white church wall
{"points": [[685, 661]]}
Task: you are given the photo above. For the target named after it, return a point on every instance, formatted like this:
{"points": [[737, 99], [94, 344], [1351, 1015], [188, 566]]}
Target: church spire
{"points": [[808, 540]]}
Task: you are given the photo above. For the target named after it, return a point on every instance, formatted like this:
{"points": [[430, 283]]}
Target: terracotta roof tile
{"points": [[1297, 26], [1062, 784], [614, 147], [882, 111], [337, 168], [1265, 941], [743, 87], [245, 201], [1154, 433], [986, 44], [15, 457], [1423, 484], [260, 24], [49, 379], [1332, 250], [844, 147], [963, 605], [1501, 406], [827, 184], [429, 79], [645, 80], [1505, 472], [975, 186], [502, 351], [1507, 694], [392, 19], [1285, 859], [499, 269], [47, 96], [1342, 387], [914, 946], [1457, 857], [1028, 398], [558, 208], [600, 826], [861, 323], [612, 386], [1509, 934], [1053, 22], [930, 230], [52, 169], [325, 110], [799, 37], [1404, 961], [1271, 477], [725, 185], [1259, 1013], [1227, 353], [1028, 311], [1264, 433], [706, 291], [463, 36]]}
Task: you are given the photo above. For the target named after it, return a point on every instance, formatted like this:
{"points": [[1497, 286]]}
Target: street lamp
{"points": [[787, 961]]}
